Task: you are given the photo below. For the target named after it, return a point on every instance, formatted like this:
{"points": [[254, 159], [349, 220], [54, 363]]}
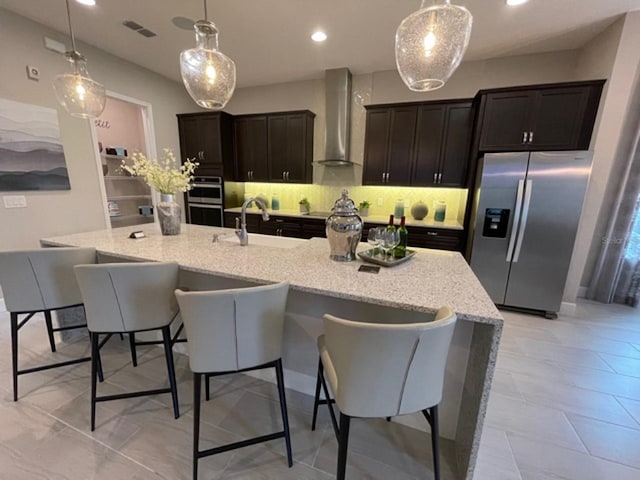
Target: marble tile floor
{"points": [[565, 404]]}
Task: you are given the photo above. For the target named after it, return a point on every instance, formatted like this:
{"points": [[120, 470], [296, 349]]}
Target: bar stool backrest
{"points": [[42, 279], [128, 297], [230, 330], [384, 370]]}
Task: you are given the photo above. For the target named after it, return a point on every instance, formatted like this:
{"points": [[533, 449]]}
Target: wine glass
{"points": [[374, 239], [390, 240]]}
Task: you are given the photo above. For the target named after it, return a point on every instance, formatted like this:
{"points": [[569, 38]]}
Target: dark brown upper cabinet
{"points": [[420, 144], [541, 117], [251, 148], [208, 138], [389, 145], [274, 147], [290, 147], [443, 135]]}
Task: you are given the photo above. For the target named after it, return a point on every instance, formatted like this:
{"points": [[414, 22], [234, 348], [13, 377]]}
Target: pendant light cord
{"points": [[206, 16], [73, 38]]}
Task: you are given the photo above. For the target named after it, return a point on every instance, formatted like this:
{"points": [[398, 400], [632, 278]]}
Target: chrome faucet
{"points": [[241, 222]]}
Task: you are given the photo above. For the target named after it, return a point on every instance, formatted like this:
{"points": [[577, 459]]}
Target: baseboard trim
{"points": [[568, 308]]}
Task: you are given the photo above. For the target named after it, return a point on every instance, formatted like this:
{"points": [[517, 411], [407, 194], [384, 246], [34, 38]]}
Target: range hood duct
{"points": [[338, 117]]}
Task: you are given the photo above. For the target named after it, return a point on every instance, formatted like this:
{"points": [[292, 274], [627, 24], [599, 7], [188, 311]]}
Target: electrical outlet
{"points": [[33, 73], [380, 202], [14, 201]]}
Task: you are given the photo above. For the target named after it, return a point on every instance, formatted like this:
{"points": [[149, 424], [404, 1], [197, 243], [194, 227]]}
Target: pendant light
{"points": [[430, 44], [208, 74], [80, 95]]}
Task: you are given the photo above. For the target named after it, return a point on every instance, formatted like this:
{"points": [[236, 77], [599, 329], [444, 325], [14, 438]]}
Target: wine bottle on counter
{"points": [[401, 250], [391, 226]]}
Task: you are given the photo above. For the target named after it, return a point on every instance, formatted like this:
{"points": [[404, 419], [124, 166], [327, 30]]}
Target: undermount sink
{"points": [[256, 239]]}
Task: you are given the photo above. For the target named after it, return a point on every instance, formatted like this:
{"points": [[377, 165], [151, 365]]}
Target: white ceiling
{"points": [[269, 39]]}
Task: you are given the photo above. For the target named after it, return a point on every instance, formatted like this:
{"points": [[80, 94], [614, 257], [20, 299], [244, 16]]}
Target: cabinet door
{"points": [[401, 144], [376, 146], [296, 148], [558, 116], [210, 142], [429, 137], [190, 145], [454, 157], [277, 147], [505, 121], [251, 148]]}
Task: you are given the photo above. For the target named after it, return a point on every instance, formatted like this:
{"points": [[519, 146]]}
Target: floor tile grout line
{"points": [[92, 438], [617, 398], [513, 457]]}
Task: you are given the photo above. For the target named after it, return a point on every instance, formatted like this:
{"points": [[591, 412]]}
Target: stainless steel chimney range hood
{"points": [[338, 118]]}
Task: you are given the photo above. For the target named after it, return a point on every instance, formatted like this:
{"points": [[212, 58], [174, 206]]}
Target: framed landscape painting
{"points": [[31, 155]]}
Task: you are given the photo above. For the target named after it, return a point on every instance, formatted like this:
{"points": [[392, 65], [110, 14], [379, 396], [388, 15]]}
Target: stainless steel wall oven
{"points": [[205, 202]]}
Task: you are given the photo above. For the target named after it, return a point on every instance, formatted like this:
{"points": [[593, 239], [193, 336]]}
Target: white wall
{"points": [[613, 54], [81, 208]]}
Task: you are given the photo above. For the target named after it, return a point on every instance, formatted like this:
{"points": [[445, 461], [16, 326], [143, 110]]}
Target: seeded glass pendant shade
{"points": [[80, 95], [76, 92], [208, 74], [430, 44]]}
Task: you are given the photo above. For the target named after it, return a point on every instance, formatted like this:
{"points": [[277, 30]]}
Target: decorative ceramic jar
{"points": [[169, 215], [344, 229], [419, 210]]}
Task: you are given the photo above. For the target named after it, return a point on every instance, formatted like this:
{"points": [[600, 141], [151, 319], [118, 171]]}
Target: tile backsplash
{"points": [[322, 197]]}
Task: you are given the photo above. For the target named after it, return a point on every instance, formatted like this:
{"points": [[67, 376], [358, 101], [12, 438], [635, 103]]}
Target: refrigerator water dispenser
{"points": [[496, 221]]}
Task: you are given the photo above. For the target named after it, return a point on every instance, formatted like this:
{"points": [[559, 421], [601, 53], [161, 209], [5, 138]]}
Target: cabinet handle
{"points": [[387, 174], [287, 176], [525, 137], [530, 137], [435, 178], [432, 234], [383, 174], [283, 176], [440, 178]]}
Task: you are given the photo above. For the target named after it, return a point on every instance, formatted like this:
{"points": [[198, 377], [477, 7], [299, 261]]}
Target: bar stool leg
{"points": [[14, 354], [47, 319], [317, 397], [95, 359], [197, 383], [132, 346], [207, 387], [283, 409], [435, 435], [168, 351], [343, 444]]}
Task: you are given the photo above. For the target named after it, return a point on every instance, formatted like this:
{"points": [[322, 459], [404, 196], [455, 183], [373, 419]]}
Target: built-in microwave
{"points": [[205, 202], [206, 190]]}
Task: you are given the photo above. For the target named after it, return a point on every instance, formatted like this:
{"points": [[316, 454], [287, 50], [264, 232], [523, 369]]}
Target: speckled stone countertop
{"points": [[432, 278], [381, 219]]}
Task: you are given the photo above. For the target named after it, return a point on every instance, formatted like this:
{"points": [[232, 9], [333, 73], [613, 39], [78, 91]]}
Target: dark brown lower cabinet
{"points": [[300, 227]]}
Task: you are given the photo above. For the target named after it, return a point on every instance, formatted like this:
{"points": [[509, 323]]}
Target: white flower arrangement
{"points": [[165, 175]]}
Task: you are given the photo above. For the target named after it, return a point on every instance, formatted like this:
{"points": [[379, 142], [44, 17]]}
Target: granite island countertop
{"points": [[432, 278]]}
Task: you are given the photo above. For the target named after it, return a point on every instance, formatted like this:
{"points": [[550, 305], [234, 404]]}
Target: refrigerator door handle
{"points": [[516, 220], [523, 221]]}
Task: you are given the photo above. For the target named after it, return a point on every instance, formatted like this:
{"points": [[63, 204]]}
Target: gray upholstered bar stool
{"points": [[128, 298], [231, 331], [40, 280], [381, 370]]}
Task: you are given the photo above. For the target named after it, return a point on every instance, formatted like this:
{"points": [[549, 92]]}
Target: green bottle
{"points": [[391, 226], [401, 250]]}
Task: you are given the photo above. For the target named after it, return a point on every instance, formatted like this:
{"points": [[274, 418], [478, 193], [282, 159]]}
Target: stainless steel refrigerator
{"points": [[527, 209]]}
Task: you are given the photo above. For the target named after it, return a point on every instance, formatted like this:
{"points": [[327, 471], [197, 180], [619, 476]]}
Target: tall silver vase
{"points": [[169, 215]]}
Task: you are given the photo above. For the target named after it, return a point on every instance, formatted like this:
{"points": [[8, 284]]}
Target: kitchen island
{"points": [[410, 292]]}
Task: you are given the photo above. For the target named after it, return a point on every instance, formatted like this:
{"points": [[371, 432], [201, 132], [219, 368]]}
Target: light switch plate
{"points": [[14, 201]]}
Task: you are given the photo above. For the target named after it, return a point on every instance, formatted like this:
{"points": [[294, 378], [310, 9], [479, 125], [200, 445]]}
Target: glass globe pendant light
{"points": [[430, 44], [208, 74], [80, 95]]}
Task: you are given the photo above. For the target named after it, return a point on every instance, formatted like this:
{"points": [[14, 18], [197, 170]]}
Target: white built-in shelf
{"points": [[123, 218], [113, 157], [128, 197]]}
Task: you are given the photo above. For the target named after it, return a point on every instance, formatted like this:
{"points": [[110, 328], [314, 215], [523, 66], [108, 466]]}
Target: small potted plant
{"points": [[304, 205], [363, 208]]}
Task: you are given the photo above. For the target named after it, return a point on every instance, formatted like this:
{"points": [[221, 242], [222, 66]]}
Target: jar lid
{"points": [[344, 205]]}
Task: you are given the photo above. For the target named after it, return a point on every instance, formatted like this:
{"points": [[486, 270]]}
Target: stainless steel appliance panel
{"points": [[209, 215], [554, 193], [503, 176]]}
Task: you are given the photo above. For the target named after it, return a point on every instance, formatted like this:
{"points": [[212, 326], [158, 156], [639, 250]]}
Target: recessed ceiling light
{"points": [[319, 36], [90, 3], [513, 3], [183, 23]]}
